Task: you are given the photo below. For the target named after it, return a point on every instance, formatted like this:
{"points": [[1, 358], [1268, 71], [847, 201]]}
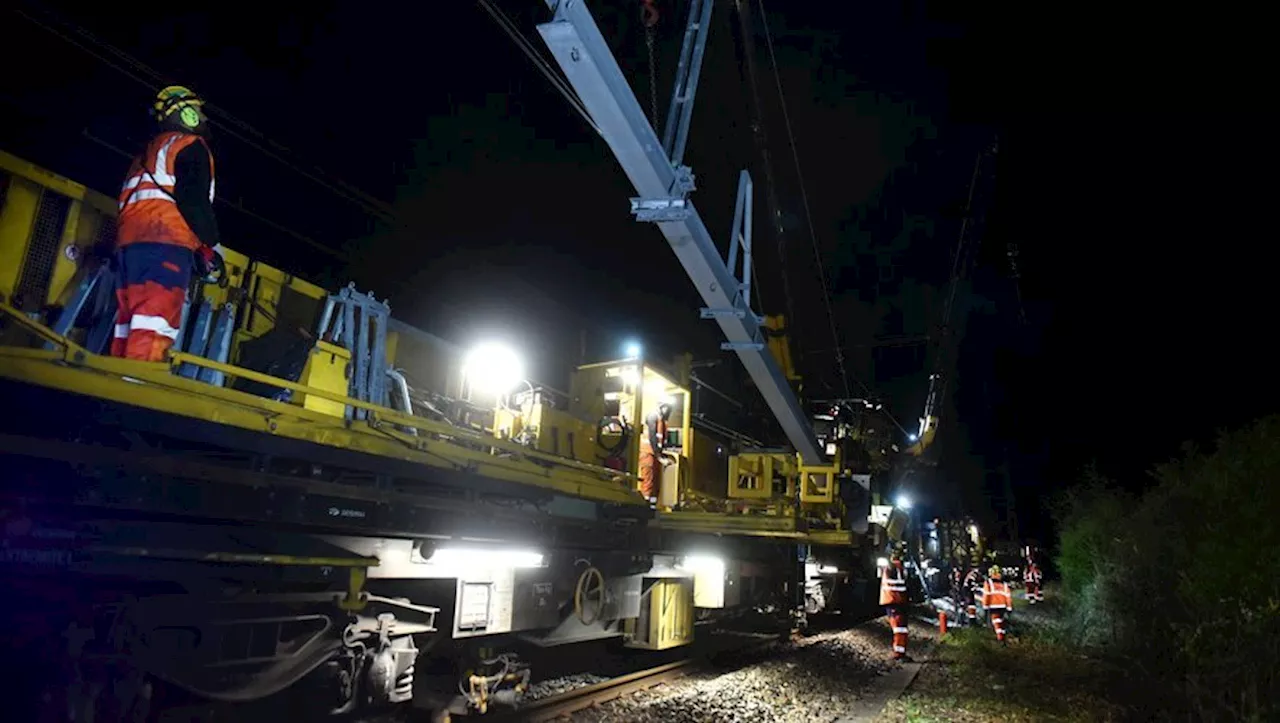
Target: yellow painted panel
{"points": [[326, 369], [40, 177], [16, 218], [64, 269]]}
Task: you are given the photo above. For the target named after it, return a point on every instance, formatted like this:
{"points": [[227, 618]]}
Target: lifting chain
{"points": [[649, 16]]}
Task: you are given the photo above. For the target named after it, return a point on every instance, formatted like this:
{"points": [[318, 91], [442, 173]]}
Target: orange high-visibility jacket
{"points": [[1032, 574], [893, 585], [148, 210], [996, 595]]}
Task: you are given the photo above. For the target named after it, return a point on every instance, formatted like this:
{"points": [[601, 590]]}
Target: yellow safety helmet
{"points": [[179, 100], [994, 572]]}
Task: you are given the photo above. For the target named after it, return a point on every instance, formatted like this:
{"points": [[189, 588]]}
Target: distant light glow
{"points": [[903, 502], [912, 438], [632, 349]]}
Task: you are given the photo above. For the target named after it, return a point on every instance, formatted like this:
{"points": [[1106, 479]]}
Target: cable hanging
{"points": [[539, 62], [804, 198]]}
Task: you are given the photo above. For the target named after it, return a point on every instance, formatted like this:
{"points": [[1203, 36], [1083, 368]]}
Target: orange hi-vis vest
{"points": [[1032, 574], [893, 586], [148, 210], [996, 595], [661, 433]]}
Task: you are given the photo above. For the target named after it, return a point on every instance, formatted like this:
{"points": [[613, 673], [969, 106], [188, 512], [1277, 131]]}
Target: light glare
{"points": [[493, 368], [702, 563], [479, 558]]}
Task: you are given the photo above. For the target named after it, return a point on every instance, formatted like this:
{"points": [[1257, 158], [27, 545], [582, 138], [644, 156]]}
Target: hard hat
{"points": [[994, 572], [177, 99]]}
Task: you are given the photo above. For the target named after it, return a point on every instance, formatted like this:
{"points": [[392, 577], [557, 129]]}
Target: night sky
{"points": [[421, 154]]}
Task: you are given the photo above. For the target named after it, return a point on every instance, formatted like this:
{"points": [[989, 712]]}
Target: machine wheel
{"points": [[588, 596]]}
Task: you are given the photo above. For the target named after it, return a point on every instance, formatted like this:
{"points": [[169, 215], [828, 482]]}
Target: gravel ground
{"points": [[816, 678]]}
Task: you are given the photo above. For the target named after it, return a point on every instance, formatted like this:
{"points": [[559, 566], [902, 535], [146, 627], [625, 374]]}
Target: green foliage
{"points": [[1184, 580]]}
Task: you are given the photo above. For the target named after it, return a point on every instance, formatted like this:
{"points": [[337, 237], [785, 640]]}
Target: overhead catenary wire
{"points": [[318, 246], [808, 214], [959, 264], [804, 199], [530, 51], [222, 119]]}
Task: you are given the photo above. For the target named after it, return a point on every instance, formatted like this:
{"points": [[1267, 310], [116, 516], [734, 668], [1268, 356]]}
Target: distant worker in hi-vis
{"points": [[165, 228], [998, 602], [973, 585], [652, 443], [893, 596], [1033, 578]]}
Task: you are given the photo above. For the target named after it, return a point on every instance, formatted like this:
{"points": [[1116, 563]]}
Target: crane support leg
{"points": [[662, 187]]}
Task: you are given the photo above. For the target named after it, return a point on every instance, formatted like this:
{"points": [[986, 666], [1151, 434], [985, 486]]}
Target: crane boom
{"points": [[663, 186]]}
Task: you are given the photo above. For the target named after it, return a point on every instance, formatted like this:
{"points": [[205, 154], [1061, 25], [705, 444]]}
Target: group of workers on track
{"points": [[969, 591]]}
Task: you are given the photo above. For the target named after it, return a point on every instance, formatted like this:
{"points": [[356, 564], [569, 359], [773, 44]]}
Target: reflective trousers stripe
{"points": [[150, 322]]}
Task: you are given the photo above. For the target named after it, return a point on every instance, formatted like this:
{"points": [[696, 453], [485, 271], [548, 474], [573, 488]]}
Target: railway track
{"points": [[572, 701], [563, 705]]}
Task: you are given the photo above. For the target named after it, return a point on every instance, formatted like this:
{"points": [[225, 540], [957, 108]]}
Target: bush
{"points": [[1183, 581]]}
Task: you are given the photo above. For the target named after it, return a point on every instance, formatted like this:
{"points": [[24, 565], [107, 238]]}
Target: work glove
{"points": [[209, 263]]}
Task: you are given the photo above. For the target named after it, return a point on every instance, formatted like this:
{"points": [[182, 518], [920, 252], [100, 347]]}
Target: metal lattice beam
{"points": [[662, 188]]}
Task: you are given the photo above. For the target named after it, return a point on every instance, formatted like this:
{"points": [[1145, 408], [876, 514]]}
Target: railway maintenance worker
{"points": [[961, 596], [973, 587], [166, 227], [893, 596], [998, 601], [1032, 578], [652, 443]]}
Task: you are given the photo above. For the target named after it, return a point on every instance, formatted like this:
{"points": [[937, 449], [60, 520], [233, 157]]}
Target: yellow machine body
{"points": [[327, 369], [666, 615], [585, 442]]}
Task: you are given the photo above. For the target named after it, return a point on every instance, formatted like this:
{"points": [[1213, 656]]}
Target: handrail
{"points": [[76, 355]]}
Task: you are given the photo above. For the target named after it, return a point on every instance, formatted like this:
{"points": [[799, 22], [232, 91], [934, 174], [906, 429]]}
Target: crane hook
{"points": [[649, 13]]}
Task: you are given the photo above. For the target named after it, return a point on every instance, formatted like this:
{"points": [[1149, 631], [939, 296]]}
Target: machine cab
{"points": [[621, 395]]}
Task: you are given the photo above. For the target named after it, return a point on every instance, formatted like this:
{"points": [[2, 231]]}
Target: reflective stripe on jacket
{"points": [[996, 595], [148, 210], [893, 586]]}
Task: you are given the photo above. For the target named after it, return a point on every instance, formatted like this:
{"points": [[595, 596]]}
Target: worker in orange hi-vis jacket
{"points": [[998, 601], [165, 228], [652, 443], [1032, 578], [893, 596]]}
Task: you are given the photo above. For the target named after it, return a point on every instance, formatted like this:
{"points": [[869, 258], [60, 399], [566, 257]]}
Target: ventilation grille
{"points": [[46, 233], [105, 239]]}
